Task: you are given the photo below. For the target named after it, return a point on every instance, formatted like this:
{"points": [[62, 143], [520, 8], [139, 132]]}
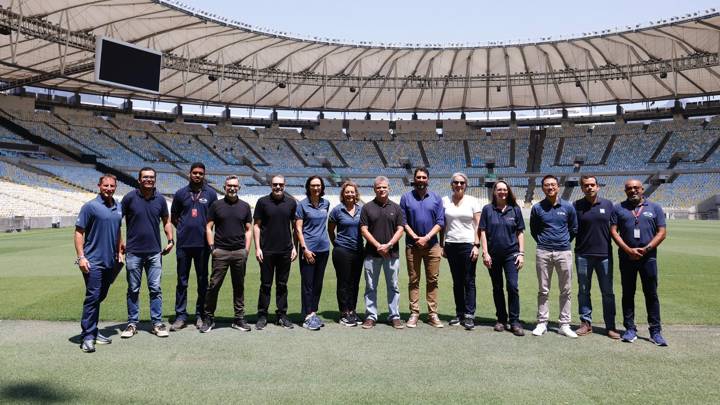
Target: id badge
{"points": [[636, 233], [194, 213]]}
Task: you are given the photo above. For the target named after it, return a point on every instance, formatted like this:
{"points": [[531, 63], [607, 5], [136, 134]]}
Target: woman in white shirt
{"points": [[461, 247]]}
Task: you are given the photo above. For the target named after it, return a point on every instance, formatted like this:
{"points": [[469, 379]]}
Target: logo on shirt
{"points": [[203, 200], [602, 210], [562, 213], [648, 214]]}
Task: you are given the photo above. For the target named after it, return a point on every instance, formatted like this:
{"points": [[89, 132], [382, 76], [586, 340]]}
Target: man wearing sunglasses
{"points": [[274, 220]]}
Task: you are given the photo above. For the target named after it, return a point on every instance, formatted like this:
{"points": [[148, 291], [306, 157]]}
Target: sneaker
{"points": [[435, 321], [357, 319], [368, 324], [285, 322], [499, 327], [241, 325], [412, 320], [177, 325], [160, 330], [207, 325], [348, 320], [311, 323], [261, 323], [540, 329], [517, 330], [455, 321], [102, 340], [88, 346], [629, 336], [566, 330], [584, 329], [469, 323], [129, 331], [613, 334], [198, 322], [658, 339], [397, 323]]}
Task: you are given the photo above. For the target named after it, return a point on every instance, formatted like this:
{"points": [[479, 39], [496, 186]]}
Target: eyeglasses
{"points": [[232, 186], [458, 183], [278, 184]]}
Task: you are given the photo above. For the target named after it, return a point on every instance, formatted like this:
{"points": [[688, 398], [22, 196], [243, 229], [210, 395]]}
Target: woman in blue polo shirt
{"points": [[311, 229], [347, 256], [503, 250]]}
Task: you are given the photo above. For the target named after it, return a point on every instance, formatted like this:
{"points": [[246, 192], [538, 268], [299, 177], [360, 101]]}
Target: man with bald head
{"points": [[638, 228]]}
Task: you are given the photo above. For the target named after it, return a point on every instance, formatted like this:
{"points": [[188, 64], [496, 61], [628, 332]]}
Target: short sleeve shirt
{"points": [[229, 219], [501, 228], [650, 218], [347, 227], [191, 210], [553, 226], [275, 218], [593, 237], [102, 226], [422, 214], [382, 222], [459, 223], [314, 227], [142, 217]]}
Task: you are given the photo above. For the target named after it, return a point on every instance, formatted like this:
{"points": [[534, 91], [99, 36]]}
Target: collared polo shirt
{"points": [[501, 228], [314, 227], [422, 214], [347, 227], [650, 218], [593, 236], [382, 222], [102, 229], [142, 217], [191, 210], [275, 218], [230, 218], [553, 226]]}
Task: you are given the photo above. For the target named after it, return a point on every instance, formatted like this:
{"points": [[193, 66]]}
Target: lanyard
{"points": [[195, 197], [636, 213]]}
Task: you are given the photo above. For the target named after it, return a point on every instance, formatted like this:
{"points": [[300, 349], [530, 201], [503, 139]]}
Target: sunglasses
{"points": [[278, 184], [458, 183]]}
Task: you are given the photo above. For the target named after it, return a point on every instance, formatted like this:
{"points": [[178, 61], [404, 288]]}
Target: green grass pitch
{"points": [[42, 363]]}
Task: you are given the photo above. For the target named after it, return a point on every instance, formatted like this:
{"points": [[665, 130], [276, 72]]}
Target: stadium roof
{"points": [[51, 44]]}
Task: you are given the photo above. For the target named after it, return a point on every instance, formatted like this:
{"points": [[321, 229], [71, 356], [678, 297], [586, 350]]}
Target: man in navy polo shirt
{"points": [[143, 210], [638, 228], [553, 225], [188, 213], [593, 252], [98, 244], [425, 217]]}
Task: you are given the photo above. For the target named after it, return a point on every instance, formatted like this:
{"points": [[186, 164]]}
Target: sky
{"points": [[447, 21]]}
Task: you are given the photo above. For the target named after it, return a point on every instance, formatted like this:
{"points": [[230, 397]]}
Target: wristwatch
{"points": [[77, 261], [477, 245]]}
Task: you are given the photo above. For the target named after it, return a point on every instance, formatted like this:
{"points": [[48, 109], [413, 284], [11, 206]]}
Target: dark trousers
{"points": [[274, 265], [463, 275], [185, 258], [311, 281], [221, 260], [348, 269], [629, 270], [505, 265], [97, 284]]}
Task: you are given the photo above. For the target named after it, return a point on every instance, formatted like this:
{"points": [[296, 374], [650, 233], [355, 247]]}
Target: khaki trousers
{"points": [[430, 257], [560, 261]]}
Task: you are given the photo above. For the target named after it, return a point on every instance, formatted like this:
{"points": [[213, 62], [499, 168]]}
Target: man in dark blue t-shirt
{"points": [[143, 210], [593, 252], [638, 228], [98, 244], [188, 212]]}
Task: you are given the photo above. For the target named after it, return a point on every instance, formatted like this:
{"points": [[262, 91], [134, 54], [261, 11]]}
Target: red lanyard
{"points": [[636, 213]]}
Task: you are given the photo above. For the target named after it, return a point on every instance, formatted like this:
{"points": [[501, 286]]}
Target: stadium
{"points": [[630, 102]]}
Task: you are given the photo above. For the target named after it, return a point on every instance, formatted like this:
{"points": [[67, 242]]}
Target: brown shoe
{"points": [[517, 330], [412, 321], [435, 321], [584, 329], [499, 327], [613, 334], [368, 324], [397, 323]]}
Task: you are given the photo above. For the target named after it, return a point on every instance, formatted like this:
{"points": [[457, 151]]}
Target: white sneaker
{"points": [[540, 329], [565, 330], [129, 331]]}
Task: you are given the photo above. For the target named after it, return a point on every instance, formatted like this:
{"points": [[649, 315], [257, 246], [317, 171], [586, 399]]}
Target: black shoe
{"points": [[469, 323], [102, 340], [348, 320], [356, 318], [88, 346], [241, 325], [285, 322], [455, 321], [207, 325], [261, 323]]}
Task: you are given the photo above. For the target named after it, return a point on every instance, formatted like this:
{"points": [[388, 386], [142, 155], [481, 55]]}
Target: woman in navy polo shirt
{"points": [[347, 256], [311, 229], [503, 250]]}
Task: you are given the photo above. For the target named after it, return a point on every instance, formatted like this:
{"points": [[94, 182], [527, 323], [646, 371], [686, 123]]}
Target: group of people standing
{"points": [[365, 240]]}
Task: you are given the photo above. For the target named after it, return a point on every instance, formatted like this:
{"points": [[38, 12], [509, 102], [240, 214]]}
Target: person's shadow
{"points": [[107, 331]]}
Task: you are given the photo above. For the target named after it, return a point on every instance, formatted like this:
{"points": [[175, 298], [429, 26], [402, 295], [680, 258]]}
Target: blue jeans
{"points": [[185, 257], [391, 267], [603, 266], [97, 283], [152, 264]]}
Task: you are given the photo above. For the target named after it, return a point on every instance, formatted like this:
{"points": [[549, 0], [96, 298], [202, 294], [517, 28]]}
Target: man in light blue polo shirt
{"points": [[553, 225], [98, 244]]}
